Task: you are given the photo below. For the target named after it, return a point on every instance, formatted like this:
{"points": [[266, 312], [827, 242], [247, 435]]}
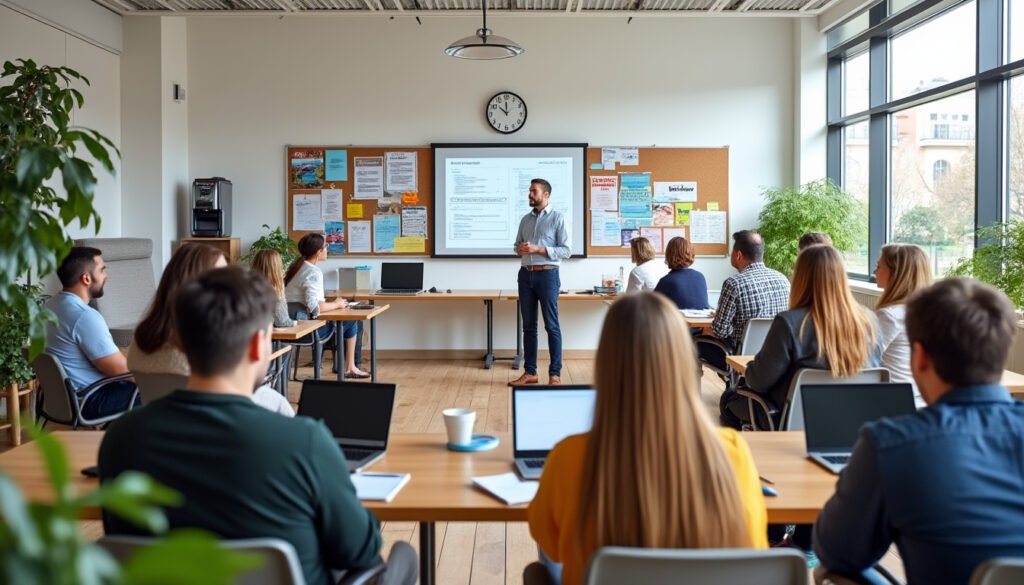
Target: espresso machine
{"points": [[211, 208]]}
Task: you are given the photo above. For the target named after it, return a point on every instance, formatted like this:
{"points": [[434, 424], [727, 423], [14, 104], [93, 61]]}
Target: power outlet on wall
{"points": [[179, 93]]}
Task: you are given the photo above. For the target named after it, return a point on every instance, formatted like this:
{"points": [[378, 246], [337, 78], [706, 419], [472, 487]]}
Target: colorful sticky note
{"points": [[354, 211], [410, 198], [337, 165], [410, 245], [712, 206], [596, 166]]}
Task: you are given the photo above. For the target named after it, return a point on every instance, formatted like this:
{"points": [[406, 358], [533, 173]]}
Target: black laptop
{"points": [[358, 415], [401, 278]]}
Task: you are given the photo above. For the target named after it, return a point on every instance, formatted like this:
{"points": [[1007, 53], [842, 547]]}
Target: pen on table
{"points": [[766, 480]]}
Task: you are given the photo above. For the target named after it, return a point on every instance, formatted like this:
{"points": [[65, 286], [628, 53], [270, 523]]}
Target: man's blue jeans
{"points": [[540, 287]]}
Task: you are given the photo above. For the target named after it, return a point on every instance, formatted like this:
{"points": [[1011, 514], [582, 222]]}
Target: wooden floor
{"points": [[471, 553]]}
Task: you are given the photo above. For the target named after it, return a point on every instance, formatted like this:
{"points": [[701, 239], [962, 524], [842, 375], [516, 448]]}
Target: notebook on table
{"points": [[401, 278], [834, 414], [358, 414], [544, 415]]}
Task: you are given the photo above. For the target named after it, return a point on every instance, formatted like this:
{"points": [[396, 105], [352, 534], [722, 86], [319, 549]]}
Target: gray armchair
{"points": [[130, 284]]}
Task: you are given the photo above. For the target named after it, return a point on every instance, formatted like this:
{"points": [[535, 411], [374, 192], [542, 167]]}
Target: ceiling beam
{"points": [[372, 11]]}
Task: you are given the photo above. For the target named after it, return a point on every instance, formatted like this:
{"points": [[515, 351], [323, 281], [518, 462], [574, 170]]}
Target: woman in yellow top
{"points": [[654, 471]]}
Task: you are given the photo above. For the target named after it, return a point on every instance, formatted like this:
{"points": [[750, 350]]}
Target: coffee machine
{"points": [[211, 208]]}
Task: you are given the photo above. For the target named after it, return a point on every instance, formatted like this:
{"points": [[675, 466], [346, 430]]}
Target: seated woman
{"points": [[268, 264], [825, 329], [654, 471], [903, 269], [153, 349], [648, 270], [304, 284], [683, 285]]}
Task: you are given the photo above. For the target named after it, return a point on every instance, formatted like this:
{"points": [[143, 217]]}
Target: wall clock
{"points": [[506, 112]]}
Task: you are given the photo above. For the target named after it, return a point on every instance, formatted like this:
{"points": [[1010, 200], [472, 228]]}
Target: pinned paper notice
{"points": [[331, 204], [604, 229], [355, 211], [410, 198], [385, 231], [306, 213], [604, 193], [410, 245], [708, 227], [629, 157], [609, 156], [368, 177], [654, 235], [359, 237], [414, 221], [683, 213], [675, 191], [669, 233], [401, 171]]}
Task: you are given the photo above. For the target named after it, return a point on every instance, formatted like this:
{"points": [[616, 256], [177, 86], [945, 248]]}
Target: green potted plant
{"points": [[14, 368], [999, 261], [819, 206], [275, 240]]}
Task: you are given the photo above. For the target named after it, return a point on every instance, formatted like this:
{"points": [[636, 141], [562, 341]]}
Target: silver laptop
{"points": [[357, 414], [544, 415], [834, 414], [401, 278]]}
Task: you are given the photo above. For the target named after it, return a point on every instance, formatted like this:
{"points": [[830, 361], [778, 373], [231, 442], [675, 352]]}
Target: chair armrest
{"points": [[88, 391], [706, 339], [364, 575], [754, 398]]}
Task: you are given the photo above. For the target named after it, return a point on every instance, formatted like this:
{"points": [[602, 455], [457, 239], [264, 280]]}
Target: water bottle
{"points": [[619, 281]]}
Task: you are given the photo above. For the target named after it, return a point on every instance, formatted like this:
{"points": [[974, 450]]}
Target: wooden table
{"points": [[441, 488], [297, 331], [485, 295], [1013, 381], [339, 343]]}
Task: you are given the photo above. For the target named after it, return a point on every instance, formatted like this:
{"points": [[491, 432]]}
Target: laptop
{"points": [[358, 415], [544, 415], [401, 278], [834, 414]]}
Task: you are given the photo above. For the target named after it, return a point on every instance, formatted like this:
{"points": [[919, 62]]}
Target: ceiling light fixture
{"points": [[484, 46]]}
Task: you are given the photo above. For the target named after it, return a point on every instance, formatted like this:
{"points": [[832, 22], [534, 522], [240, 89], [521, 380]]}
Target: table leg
{"points": [[518, 359], [373, 349], [489, 357], [427, 571], [339, 350]]}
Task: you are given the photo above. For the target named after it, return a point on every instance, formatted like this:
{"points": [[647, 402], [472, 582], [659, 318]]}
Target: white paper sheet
{"points": [[414, 221], [508, 487], [708, 227], [306, 213], [609, 156], [675, 191], [605, 229], [381, 487], [604, 193], [674, 232], [368, 177], [629, 157], [330, 208], [654, 235], [401, 171], [359, 237]]}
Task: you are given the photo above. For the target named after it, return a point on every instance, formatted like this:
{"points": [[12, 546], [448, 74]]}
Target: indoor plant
{"points": [[275, 240], [14, 368], [37, 140], [818, 206], [999, 260]]}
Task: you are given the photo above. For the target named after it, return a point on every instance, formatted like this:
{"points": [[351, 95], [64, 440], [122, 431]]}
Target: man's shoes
{"points": [[524, 380], [554, 380]]}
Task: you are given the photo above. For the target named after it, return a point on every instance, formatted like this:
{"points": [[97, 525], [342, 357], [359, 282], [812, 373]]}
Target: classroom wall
{"points": [[28, 36], [258, 84]]}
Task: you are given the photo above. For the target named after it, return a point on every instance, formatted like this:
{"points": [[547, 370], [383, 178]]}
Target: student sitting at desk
{"points": [[648, 269], [153, 349], [683, 285], [654, 471], [304, 284], [268, 264]]}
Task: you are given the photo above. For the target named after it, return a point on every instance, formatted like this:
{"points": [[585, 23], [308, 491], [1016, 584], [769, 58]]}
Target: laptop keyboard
{"points": [[837, 459], [534, 463], [397, 291], [358, 454]]}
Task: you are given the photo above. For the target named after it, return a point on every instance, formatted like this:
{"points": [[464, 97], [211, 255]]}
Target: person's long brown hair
{"points": [[655, 473], [843, 326], [309, 246], [189, 261], [268, 264], [909, 272]]}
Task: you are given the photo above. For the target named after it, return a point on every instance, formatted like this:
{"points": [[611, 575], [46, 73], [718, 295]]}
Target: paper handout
{"points": [[508, 487]]}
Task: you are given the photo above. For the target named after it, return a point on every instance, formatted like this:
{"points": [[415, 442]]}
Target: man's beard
{"points": [[96, 292]]}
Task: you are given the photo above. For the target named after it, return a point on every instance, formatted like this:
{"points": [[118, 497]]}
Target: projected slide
{"points": [[480, 195]]}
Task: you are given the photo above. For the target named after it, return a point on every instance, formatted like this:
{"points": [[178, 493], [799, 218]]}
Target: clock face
{"points": [[506, 112]]}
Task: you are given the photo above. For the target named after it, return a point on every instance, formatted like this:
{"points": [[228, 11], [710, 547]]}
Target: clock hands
{"points": [[504, 109]]}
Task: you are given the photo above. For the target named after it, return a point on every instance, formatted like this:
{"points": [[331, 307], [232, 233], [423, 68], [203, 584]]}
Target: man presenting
{"points": [[542, 242]]}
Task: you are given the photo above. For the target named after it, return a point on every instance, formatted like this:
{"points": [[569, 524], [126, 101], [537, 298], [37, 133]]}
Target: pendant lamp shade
{"points": [[484, 46]]}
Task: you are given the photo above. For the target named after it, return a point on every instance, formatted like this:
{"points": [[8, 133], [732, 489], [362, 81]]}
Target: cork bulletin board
{"points": [[369, 201], [681, 181]]}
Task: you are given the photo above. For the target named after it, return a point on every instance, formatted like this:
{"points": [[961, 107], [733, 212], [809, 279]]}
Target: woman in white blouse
{"points": [[304, 283], [903, 269], [648, 270]]}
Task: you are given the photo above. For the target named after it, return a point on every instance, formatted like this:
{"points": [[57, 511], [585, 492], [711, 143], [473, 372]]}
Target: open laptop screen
{"points": [[357, 414], [401, 275], [543, 416], [834, 413]]}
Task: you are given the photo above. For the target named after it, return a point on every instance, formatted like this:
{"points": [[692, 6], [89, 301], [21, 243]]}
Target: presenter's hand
{"points": [[528, 248]]}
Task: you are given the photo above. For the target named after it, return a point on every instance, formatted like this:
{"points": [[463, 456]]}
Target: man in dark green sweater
{"points": [[243, 471]]}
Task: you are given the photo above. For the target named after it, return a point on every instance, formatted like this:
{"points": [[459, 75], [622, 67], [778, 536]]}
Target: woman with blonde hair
{"points": [[268, 264], [648, 271], [825, 328], [903, 269], [654, 471], [683, 285]]}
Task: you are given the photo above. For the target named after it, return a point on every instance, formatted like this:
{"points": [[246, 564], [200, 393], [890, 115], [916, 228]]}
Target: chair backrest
{"points": [[131, 283], [999, 572], [614, 565], [280, 563], [793, 412], [753, 336], [56, 396], [154, 386]]}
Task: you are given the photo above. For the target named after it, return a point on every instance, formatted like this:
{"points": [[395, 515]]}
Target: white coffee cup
{"points": [[459, 424]]}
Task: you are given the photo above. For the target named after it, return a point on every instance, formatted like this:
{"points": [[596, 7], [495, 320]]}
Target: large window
{"points": [[912, 153]]}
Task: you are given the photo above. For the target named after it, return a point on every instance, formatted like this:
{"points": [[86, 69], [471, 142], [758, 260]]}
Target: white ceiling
{"points": [[619, 8]]}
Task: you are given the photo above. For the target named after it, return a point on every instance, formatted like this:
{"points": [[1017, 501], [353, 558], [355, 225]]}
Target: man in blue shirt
{"points": [[81, 340], [542, 243], [945, 484]]}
